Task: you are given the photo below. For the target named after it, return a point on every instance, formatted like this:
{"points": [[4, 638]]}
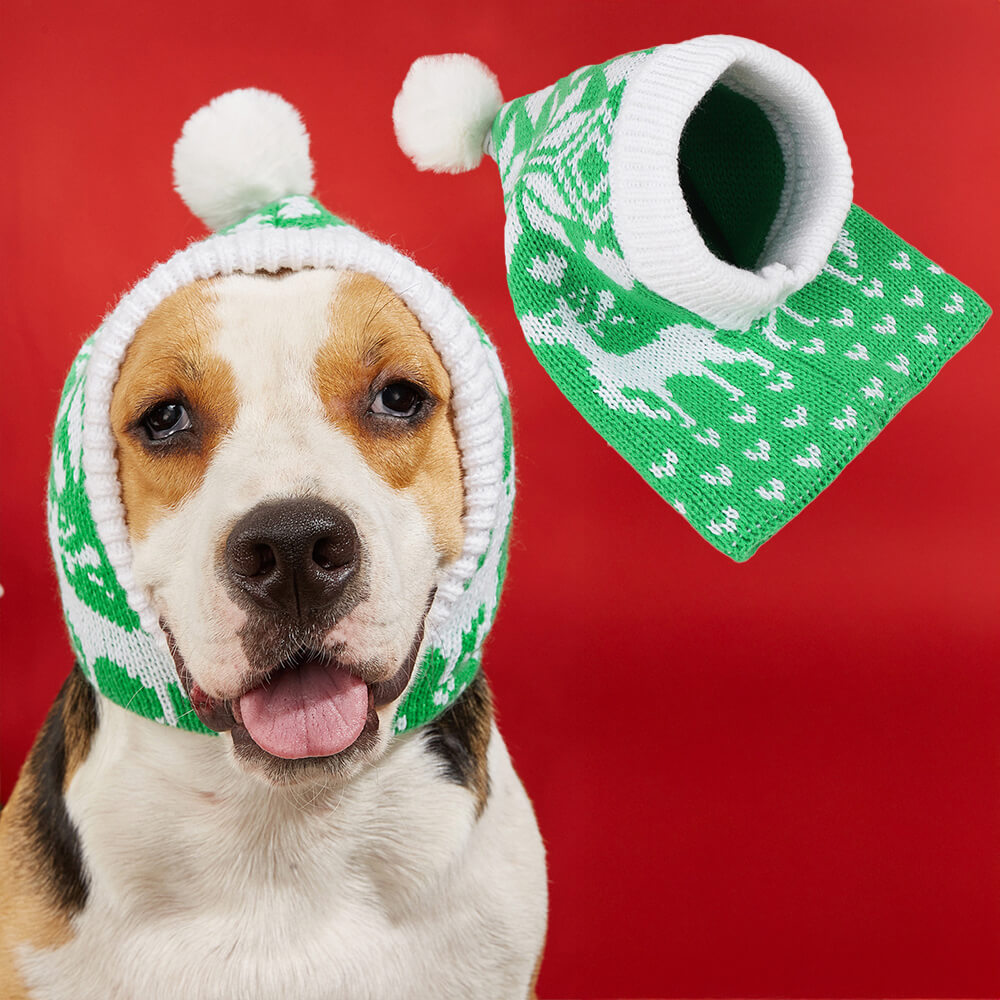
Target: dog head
{"points": [[292, 491], [282, 473]]}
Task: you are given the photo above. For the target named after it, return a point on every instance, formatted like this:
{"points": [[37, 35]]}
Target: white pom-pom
{"points": [[444, 111], [240, 152]]}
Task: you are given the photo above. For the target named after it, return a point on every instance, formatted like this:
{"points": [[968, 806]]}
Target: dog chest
{"points": [[211, 887]]}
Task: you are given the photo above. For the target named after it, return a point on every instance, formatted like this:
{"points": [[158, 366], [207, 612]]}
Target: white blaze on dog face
{"points": [[280, 381]]}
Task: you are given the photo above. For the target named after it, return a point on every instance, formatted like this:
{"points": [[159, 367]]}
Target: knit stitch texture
{"points": [[737, 429], [115, 635]]}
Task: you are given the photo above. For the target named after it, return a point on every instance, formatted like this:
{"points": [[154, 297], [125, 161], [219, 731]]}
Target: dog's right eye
{"points": [[399, 399], [165, 419]]}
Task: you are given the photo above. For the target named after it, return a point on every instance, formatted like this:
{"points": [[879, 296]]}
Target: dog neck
{"points": [[203, 833]]}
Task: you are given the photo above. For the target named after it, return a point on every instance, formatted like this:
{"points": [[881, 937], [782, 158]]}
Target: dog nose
{"points": [[295, 556]]}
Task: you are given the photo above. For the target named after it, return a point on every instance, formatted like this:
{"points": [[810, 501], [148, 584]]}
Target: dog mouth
{"points": [[309, 705]]}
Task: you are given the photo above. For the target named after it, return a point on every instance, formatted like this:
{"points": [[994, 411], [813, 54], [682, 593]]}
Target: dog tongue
{"points": [[313, 710]]}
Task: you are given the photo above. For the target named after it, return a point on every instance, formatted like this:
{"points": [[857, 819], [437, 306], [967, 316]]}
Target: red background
{"points": [[774, 778]]}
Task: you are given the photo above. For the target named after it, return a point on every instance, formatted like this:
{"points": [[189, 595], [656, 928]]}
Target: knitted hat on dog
{"points": [[242, 164], [686, 263]]}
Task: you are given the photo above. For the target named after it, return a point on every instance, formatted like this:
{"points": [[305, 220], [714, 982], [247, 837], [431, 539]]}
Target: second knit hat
{"points": [[687, 264]]}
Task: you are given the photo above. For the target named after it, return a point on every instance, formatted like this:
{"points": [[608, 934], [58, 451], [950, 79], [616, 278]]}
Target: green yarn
{"points": [[738, 431], [131, 665]]}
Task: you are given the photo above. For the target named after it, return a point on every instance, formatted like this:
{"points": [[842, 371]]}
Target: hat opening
{"points": [[732, 174], [730, 179]]}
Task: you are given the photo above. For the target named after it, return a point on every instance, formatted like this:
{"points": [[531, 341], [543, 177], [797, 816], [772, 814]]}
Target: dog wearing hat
{"points": [[279, 505]]}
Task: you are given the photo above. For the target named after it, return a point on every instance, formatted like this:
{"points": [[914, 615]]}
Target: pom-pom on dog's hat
{"points": [[686, 263], [242, 165]]}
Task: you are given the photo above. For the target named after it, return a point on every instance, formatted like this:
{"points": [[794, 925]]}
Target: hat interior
{"points": [[732, 174]]}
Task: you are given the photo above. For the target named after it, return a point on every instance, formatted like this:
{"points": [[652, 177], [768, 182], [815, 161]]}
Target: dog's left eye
{"points": [[399, 399], [165, 419]]}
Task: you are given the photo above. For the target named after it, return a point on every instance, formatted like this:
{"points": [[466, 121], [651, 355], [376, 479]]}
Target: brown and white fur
{"points": [[139, 860]]}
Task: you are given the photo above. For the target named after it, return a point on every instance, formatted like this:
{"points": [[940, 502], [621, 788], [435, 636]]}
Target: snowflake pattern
{"points": [[840, 357], [133, 667]]}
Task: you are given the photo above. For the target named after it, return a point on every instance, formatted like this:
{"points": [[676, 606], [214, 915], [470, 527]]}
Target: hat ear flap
{"points": [[444, 110]]}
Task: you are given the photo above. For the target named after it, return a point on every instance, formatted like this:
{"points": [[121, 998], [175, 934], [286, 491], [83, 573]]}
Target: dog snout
{"points": [[293, 556]]}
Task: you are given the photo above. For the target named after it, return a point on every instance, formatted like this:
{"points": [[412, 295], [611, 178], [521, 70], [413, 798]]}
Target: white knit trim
{"points": [[476, 388], [660, 242]]}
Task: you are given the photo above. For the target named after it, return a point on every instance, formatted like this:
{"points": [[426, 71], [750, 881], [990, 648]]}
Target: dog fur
{"points": [[138, 860]]}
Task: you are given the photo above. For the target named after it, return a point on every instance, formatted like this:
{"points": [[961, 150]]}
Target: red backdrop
{"points": [[774, 778]]}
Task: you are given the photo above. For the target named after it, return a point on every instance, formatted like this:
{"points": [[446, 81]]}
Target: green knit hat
{"points": [[242, 164], [687, 265]]}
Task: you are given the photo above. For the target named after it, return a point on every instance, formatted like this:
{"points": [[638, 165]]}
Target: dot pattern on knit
{"points": [[133, 667], [738, 431]]}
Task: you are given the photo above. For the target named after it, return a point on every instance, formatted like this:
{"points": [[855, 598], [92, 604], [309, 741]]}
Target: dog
{"points": [[292, 490]]}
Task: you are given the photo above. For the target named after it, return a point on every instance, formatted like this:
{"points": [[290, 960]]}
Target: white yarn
{"points": [[467, 591], [241, 151], [661, 246], [444, 110]]}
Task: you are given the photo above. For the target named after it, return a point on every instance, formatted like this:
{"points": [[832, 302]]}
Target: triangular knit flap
{"points": [[686, 264]]}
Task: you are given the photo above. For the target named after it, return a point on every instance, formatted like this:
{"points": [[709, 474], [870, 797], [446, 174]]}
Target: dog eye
{"points": [[165, 419], [399, 399]]}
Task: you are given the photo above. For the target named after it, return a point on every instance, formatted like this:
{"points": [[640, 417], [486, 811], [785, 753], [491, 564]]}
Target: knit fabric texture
{"points": [[115, 634], [738, 420]]}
